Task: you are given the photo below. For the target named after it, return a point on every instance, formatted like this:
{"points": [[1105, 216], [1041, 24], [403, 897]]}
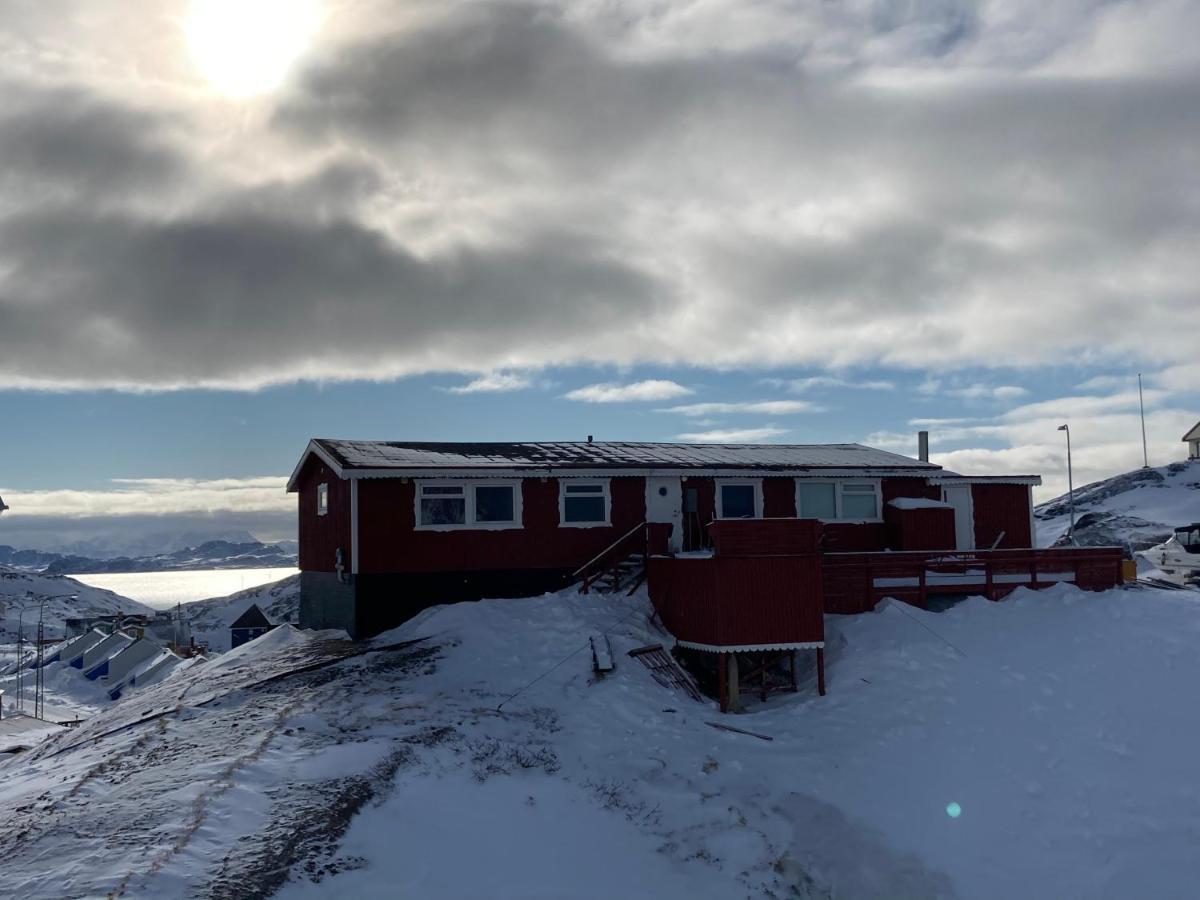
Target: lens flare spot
{"points": [[953, 810]]}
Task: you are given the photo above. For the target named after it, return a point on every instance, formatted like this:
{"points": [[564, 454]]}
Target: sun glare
{"points": [[247, 47]]}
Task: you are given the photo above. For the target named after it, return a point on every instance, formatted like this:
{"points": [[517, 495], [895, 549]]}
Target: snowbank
{"points": [[1042, 746]]}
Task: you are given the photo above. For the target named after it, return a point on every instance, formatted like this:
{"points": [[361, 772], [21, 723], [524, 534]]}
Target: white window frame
{"points": [[562, 502], [323, 498], [469, 498], [755, 483], [838, 485]]}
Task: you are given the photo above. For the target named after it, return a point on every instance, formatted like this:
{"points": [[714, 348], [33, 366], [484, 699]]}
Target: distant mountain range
{"points": [[1134, 510], [217, 554]]}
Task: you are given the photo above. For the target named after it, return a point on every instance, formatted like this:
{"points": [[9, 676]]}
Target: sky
{"points": [[227, 227]]}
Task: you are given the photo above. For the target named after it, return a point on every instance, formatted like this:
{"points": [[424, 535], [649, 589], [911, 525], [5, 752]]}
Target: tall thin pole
{"points": [[1070, 482], [1142, 404]]}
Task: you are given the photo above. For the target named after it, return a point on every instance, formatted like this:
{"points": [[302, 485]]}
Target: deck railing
{"points": [[856, 582]]}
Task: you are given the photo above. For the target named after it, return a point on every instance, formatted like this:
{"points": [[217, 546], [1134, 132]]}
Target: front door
{"points": [[959, 496], [664, 503]]}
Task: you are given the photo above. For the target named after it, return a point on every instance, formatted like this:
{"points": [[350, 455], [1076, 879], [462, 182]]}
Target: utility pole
{"points": [[1142, 405], [20, 655], [1070, 482]]}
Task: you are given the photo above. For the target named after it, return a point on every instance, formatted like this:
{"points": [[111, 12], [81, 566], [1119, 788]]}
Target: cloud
{"points": [[638, 391], [756, 407], [493, 382], [988, 392], [155, 497], [732, 435], [1105, 438], [466, 187], [803, 385], [142, 515]]}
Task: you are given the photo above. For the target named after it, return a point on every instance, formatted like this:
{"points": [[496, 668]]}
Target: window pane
{"points": [[585, 489], [444, 511], [856, 504], [452, 490], [737, 501], [494, 504], [817, 501], [583, 509]]}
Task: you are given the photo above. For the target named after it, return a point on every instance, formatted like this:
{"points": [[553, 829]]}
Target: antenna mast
{"points": [[1142, 406]]}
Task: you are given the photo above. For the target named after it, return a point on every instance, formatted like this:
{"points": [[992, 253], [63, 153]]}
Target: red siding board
{"points": [[733, 601], [322, 536], [779, 498], [1001, 508]]}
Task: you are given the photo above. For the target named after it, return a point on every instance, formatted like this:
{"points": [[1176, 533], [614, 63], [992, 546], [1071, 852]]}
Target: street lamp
{"points": [[1070, 482]]}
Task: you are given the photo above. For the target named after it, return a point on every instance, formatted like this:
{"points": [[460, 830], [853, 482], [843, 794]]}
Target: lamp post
{"points": [[1070, 483]]}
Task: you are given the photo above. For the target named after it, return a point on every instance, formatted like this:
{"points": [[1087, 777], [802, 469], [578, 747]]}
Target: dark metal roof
{"points": [[357, 455], [252, 618]]}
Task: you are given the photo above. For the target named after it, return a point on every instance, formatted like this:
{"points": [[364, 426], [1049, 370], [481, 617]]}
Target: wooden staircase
{"points": [[621, 566]]}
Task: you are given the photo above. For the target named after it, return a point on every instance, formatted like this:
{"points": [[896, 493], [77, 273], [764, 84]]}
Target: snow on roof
{"points": [[387, 457], [917, 503]]}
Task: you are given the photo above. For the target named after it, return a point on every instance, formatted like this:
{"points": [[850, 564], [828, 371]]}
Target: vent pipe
{"points": [[923, 446]]}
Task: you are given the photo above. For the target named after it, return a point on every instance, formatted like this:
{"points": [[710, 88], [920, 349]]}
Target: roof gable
{"points": [[1194, 434], [253, 617]]}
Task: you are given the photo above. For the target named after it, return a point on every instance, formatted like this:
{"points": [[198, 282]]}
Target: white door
{"points": [[664, 503], [959, 496]]}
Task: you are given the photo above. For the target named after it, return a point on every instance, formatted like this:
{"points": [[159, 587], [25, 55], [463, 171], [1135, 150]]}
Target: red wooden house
{"points": [[389, 528]]}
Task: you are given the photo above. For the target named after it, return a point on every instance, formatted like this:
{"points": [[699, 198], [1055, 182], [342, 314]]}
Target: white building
{"points": [[1193, 441]]}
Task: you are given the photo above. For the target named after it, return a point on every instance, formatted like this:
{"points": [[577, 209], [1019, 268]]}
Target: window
{"points": [[816, 500], [466, 505], [322, 499], [739, 500], [583, 503], [859, 501], [837, 501]]}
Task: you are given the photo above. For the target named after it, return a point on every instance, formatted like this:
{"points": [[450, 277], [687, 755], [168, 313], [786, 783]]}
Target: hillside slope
{"points": [[1136, 509], [959, 754], [24, 591]]}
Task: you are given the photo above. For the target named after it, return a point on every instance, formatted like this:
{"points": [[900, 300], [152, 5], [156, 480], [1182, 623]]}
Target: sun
{"points": [[246, 47]]}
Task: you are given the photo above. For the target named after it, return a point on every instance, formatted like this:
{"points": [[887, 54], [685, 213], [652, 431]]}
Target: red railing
{"points": [[856, 582], [608, 561]]}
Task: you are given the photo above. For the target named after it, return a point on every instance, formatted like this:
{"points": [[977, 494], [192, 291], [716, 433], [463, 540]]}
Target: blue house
{"points": [[249, 625]]}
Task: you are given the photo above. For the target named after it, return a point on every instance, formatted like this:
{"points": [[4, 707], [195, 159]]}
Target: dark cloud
{"points": [[239, 297], [70, 144], [488, 185]]}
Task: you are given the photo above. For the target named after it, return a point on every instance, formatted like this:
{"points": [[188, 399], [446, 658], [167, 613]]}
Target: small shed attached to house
{"points": [[1192, 439], [249, 625]]}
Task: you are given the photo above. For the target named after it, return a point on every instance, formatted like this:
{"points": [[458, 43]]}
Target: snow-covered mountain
{"points": [[209, 555], [250, 554], [1137, 509], [64, 598]]}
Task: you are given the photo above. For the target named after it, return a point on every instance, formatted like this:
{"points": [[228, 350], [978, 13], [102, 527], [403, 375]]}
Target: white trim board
{"points": [[750, 648]]}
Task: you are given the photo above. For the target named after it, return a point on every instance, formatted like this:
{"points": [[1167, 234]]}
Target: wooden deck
{"points": [[856, 582]]}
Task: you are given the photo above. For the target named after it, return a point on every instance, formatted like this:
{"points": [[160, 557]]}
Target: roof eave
{"points": [[314, 448]]}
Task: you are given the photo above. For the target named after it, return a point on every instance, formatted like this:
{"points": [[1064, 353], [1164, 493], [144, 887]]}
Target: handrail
{"points": [[609, 549]]}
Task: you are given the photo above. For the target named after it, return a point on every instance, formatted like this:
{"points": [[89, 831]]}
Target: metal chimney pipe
{"points": [[923, 446]]}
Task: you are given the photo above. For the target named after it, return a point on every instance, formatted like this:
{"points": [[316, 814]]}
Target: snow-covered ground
{"points": [[22, 591], [1136, 509], [1043, 747]]}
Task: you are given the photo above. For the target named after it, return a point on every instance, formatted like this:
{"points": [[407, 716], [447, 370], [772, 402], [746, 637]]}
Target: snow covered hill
{"points": [[1039, 747], [210, 619], [23, 591], [209, 555], [1137, 509]]}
